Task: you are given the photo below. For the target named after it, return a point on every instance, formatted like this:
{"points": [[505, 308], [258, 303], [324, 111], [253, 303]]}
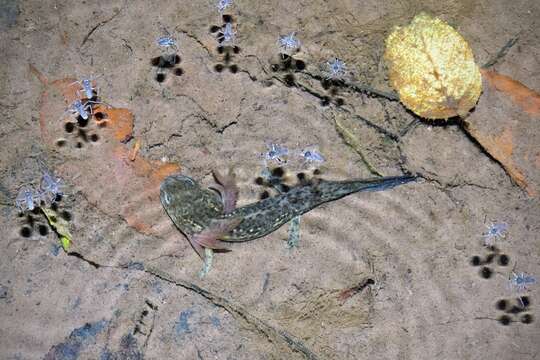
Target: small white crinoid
{"points": [[223, 4], [519, 282], [289, 43], [335, 69], [227, 34], [494, 232]]}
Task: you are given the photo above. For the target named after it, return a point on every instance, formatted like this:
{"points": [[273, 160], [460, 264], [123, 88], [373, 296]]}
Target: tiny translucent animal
{"points": [[81, 109], [519, 282], [276, 153], [167, 42], [28, 198], [289, 43], [87, 87], [335, 68], [50, 186], [495, 231], [223, 4], [312, 155], [227, 35]]}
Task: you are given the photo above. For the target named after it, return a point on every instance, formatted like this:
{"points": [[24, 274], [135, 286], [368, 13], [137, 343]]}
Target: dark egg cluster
{"points": [[493, 257], [226, 49], [515, 310], [165, 63], [276, 180], [36, 222], [332, 86], [78, 127], [288, 65]]}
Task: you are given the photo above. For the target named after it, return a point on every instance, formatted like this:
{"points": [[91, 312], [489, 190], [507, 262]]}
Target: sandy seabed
{"points": [[385, 275]]}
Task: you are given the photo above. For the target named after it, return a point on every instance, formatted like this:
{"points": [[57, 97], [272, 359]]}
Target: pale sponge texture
{"points": [[432, 68]]}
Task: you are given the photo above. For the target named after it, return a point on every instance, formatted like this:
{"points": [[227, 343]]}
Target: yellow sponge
{"points": [[432, 68]]}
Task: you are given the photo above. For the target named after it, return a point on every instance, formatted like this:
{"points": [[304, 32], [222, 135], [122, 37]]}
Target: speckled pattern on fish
{"points": [[194, 209]]}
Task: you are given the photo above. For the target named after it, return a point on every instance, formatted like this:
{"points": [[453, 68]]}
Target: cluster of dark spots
{"points": [[288, 65], [332, 86], [514, 308], [223, 50], [79, 131], [35, 221], [486, 272], [226, 50], [164, 63], [142, 322], [273, 181], [511, 308], [226, 63], [276, 179]]}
